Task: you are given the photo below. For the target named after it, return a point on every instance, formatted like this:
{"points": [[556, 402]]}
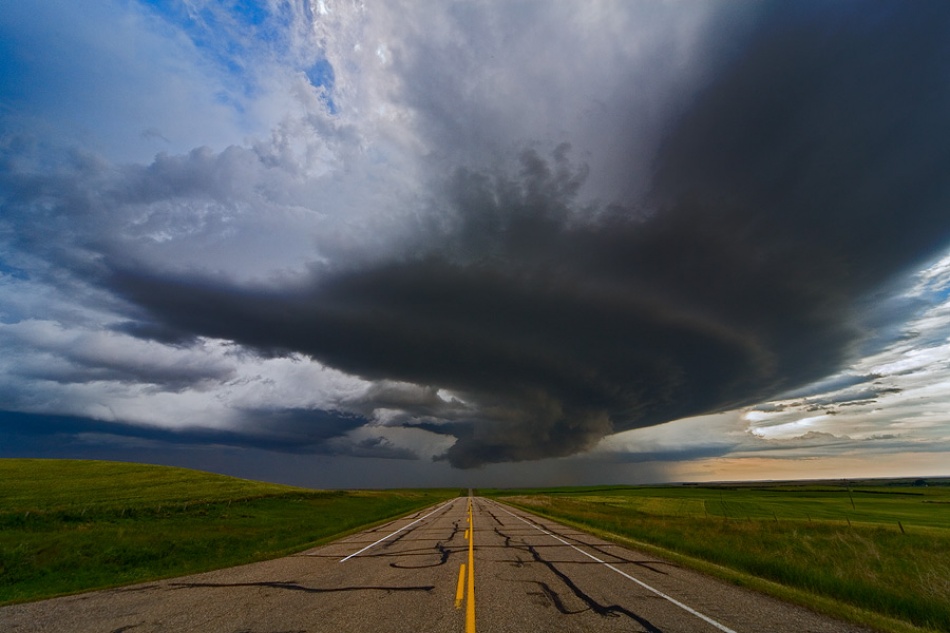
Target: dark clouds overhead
{"points": [[285, 431], [807, 173], [525, 227]]}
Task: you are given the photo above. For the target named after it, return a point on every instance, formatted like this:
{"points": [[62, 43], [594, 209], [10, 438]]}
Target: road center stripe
{"points": [[470, 603], [460, 588]]}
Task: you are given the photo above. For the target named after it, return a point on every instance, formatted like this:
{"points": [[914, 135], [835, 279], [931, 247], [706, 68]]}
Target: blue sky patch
{"points": [[250, 12], [321, 76], [7, 270]]}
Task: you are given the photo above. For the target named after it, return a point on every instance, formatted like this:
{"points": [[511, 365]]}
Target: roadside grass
{"points": [[880, 550], [68, 525]]}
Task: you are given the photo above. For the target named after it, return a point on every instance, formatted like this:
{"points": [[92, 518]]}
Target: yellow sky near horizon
{"points": [[908, 464]]}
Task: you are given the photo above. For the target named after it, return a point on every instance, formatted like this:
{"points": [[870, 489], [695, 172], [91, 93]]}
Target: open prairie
{"points": [[68, 526], [865, 550]]}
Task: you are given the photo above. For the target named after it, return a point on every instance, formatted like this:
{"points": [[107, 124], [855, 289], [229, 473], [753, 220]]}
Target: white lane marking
{"points": [[343, 560], [699, 615]]}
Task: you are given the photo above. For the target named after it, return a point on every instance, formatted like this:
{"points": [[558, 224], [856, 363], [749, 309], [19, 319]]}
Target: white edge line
{"points": [[343, 560], [699, 615]]}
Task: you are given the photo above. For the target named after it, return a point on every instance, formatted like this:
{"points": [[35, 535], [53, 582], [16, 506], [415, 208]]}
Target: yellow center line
{"points": [[470, 602], [460, 589]]}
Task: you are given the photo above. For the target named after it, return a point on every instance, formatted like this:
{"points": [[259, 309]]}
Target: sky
{"points": [[378, 244]]}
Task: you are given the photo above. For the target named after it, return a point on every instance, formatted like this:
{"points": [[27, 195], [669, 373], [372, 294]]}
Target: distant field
{"points": [[882, 547], [68, 526]]}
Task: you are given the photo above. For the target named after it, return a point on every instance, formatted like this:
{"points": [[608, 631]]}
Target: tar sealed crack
{"points": [[611, 611], [646, 564], [401, 536], [292, 586], [492, 515], [555, 599], [443, 558]]}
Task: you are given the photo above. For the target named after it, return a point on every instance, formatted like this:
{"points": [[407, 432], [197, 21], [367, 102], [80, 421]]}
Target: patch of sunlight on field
{"points": [[650, 506], [45, 485]]}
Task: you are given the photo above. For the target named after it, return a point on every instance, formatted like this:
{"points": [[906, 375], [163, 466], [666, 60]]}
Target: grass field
{"points": [[68, 526], [875, 553]]}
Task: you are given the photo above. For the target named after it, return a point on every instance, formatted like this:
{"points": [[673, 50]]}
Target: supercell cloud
{"points": [[517, 233]]}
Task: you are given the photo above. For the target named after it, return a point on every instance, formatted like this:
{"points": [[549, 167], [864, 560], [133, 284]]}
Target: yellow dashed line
{"points": [[470, 602], [462, 582], [460, 589]]}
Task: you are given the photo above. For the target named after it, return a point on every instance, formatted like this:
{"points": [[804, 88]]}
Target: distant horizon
{"points": [[907, 478], [830, 480]]}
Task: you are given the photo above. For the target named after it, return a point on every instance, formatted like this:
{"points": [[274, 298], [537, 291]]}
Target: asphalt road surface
{"points": [[530, 574]]}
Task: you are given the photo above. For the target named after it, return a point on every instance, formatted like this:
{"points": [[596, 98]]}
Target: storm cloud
{"points": [[808, 173], [484, 233]]}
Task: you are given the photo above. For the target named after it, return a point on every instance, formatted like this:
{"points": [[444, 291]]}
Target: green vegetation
{"points": [[872, 552], [68, 526]]}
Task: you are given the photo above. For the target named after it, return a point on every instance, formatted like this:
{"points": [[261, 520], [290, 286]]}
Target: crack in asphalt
{"points": [[555, 598], [444, 557], [289, 631], [455, 530], [600, 549], [133, 589], [402, 535], [492, 515], [292, 586], [613, 610]]}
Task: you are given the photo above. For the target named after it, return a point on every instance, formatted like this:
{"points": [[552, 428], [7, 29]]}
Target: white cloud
{"points": [[790, 430], [895, 397], [886, 404], [680, 440], [52, 368]]}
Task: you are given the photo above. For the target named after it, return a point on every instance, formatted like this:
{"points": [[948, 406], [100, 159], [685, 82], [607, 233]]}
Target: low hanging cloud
{"points": [[807, 174], [530, 302]]}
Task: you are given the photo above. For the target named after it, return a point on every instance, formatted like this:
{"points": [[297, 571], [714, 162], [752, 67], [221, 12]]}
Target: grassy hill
{"points": [[73, 525]]}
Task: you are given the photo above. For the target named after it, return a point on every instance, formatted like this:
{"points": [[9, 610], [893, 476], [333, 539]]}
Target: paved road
{"points": [[530, 574]]}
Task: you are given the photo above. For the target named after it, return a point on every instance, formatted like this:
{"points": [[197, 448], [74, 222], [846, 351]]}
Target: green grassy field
{"points": [[875, 553], [68, 526]]}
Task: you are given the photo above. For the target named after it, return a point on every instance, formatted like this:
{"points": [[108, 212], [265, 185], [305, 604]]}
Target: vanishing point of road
{"points": [[465, 565]]}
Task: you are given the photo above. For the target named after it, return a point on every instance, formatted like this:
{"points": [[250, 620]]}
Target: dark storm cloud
{"points": [[155, 332], [96, 370], [810, 171], [73, 362], [307, 431], [283, 430]]}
